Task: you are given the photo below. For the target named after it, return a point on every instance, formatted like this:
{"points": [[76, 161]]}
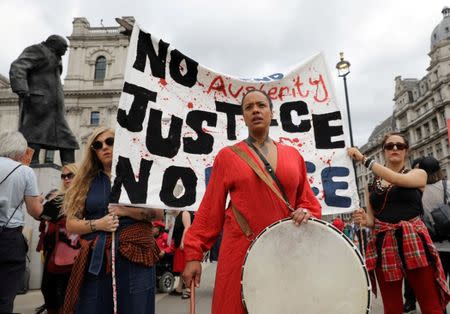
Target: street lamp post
{"points": [[343, 68]]}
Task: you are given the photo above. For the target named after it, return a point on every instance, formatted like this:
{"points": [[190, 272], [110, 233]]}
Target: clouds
{"points": [[381, 39]]}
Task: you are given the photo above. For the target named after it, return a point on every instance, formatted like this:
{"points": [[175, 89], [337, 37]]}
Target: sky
{"points": [[381, 39]]}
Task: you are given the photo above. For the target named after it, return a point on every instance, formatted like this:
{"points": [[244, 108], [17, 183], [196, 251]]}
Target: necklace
{"points": [[380, 189]]}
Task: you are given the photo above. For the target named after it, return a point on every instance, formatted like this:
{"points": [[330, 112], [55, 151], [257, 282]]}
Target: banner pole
{"points": [[113, 269]]}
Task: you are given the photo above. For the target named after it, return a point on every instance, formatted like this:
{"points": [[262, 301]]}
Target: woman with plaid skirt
{"points": [[89, 214], [400, 244]]}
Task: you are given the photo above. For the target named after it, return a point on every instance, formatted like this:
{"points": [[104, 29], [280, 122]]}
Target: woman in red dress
{"points": [[251, 198]]}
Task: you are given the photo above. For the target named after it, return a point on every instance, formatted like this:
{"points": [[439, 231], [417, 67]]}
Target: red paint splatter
{"points": [[162, 82], [294, 141], [190, 105]]}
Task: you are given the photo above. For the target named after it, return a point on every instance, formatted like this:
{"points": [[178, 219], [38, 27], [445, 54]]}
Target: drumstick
{"points": [[363, 249], [192, 305]]}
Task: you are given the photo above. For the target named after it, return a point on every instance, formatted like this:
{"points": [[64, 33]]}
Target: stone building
{"points": [[92, 86], [373, 149], [421, 109]]}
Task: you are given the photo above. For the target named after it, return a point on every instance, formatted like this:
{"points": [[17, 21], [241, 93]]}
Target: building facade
{"points": [[421, 109], [92, 86]]}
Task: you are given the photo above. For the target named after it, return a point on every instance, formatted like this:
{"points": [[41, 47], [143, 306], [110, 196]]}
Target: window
{"points": [[419, 134], [95, 118], [426, 127], [418, 112], [435, 124], [49, 156], [430, 151], [439, 150], [100, 69], [410, 97]]}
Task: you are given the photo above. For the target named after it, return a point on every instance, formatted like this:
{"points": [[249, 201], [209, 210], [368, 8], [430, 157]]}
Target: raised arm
{"points": [[416, 178]]}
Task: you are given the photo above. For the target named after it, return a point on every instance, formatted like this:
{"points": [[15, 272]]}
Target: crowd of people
{"points": [[79, 227]]}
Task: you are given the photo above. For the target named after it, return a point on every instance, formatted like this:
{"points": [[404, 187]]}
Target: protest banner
{"points": [[175, 115]]}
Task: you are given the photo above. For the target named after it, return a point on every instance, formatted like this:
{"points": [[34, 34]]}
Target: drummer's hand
{"points": [[192, 271], [360, 217], [300, 215]]}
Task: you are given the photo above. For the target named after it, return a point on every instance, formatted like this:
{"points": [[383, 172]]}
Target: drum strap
{"points": [[242, 222], [262, 175]]}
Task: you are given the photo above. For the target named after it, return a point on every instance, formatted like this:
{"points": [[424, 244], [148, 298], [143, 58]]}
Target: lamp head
{"points": [[343, 66]]}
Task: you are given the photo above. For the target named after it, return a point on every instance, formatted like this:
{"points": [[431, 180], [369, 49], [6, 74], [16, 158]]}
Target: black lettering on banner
{"points": [[136, 190], [156, 144], [190, 77], [323, 132], [145, 49], [133, 120], [232, 111], [286, 119], [204, 142], [170, 179]]}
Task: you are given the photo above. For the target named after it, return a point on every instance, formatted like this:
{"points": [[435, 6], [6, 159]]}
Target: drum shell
{"points": [[313, 268]]}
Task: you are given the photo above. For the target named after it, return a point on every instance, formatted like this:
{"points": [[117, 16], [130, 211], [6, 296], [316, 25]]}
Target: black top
{"points": [[178, 228], [395, 203]]}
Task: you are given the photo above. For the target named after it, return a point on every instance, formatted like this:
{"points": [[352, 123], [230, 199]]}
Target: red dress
{"points": [[257, 203]]}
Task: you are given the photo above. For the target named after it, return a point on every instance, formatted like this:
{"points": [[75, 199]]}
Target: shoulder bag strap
{"points": [[252, 164], [10, 173], [269, 170], [444, 184], [14, 212]]}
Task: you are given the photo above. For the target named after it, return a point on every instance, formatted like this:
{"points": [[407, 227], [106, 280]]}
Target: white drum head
{"points": [[309, 269]]}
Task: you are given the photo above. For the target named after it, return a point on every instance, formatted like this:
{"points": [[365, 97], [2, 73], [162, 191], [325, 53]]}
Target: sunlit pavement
{"points": [[165, 303]]}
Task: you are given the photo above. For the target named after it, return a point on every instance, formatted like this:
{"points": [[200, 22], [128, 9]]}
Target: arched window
{"points": [[100, 69]]}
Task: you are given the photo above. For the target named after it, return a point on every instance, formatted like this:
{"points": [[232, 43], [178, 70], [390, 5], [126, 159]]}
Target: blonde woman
{"points": [[55, 278], [89, 214]]}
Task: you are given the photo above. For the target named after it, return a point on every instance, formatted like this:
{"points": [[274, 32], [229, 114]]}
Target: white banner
{"points": [[175, 115]]}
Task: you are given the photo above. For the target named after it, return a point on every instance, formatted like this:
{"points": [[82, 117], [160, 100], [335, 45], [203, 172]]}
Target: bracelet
{"points": [[364, 159], [93, 229], [370, 166], [368, 161]]}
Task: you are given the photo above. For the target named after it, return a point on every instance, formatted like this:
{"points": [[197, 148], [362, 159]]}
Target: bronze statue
{"points": [[35, 77]]}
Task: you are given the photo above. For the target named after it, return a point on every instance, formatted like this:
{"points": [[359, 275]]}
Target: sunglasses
{"points": [[400, 146], [69, 176], [99, 145]]}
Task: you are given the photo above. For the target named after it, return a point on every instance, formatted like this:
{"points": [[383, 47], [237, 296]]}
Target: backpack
{"points": [[440, 229]]}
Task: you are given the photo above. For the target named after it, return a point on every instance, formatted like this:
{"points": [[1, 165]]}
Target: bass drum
{"points": [[309, 269]]}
